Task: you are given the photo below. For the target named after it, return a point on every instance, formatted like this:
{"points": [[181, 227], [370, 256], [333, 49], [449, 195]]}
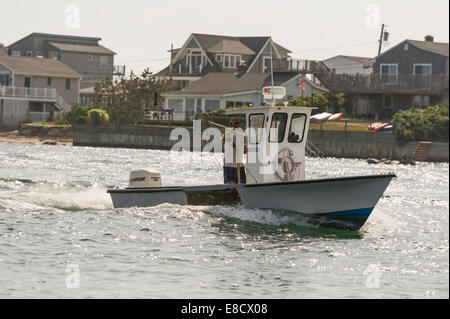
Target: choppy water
{"points": [[60, 236]]}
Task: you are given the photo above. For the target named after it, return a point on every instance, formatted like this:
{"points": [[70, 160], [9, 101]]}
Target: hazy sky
{"points": [[141, 31]]}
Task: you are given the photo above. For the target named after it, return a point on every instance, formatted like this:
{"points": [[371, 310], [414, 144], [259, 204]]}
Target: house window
{"points": [[27, 83], [29, 53], [16, 53], [406, 46], [190, 107], [218, 57], [67, 84], [176, 105], [90, 57], [389, 72], [211, 105], [231, 61], [49, 81], [53, 55], [229, 104], [421, 100], [104, 61], [387, 101], [422, 69], [4, 79], [266, 64]]}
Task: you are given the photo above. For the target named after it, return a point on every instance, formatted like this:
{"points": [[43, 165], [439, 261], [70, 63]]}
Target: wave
{"points": [[58, 197]]}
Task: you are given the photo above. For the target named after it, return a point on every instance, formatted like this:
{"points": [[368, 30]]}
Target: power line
{"points": [[145, 60], [340, 47]]}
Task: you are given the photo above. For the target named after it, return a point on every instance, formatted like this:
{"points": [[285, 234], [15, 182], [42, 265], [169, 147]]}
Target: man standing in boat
{"points": [[234, 141]]}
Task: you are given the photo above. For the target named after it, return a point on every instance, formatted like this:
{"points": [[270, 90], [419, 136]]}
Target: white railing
{"points": [[38, 94], [39, 116], [29, 93]]}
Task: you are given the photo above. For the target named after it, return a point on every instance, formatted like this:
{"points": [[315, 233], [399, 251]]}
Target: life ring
{"points": [[286, 166]]}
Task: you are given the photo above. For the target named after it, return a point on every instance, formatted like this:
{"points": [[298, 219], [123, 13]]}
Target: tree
{"points": [[125, 99]]}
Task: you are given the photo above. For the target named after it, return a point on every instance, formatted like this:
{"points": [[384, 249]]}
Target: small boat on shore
{"points": [[275, 181]]}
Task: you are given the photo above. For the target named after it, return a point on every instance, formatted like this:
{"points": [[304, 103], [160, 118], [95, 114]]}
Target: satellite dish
{"points": [[275, 92]]}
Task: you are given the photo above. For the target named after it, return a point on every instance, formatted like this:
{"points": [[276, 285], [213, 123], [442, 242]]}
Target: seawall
{"points": [[331, 143]]}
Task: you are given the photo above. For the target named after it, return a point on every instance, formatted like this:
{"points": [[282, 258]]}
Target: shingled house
{"points": [[411, 74], [36, 88], [213, 71], [205, 53], [221, 90], [84, 54]]}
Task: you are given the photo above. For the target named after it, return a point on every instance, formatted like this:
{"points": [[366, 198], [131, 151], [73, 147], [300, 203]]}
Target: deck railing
{"points": [[35, 94], [388, 83]]}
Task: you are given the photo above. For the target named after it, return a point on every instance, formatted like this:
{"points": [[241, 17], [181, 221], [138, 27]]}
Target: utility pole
{"points": [[384, 35], [171, 58]]}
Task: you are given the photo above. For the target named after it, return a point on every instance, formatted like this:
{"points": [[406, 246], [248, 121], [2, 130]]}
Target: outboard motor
{"points": [[144, 179]]}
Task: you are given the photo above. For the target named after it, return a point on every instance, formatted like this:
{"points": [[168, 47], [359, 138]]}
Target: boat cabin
{"points": [[276, 140]]}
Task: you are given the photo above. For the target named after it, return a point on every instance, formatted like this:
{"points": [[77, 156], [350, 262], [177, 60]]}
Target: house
{"points": [[223, 89], [205, 53], [3, 50], [344, 64], [84, 54], [411, 74], [37, 88]]}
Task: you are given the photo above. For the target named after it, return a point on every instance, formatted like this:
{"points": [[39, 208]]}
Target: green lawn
{"points": [[340, 126]]}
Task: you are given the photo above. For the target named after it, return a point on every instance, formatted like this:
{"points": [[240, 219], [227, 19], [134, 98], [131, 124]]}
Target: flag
{"points": [[303, 83]]}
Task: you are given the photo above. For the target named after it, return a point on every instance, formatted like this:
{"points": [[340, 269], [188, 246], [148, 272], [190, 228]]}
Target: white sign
{"points": [[277, 92]]}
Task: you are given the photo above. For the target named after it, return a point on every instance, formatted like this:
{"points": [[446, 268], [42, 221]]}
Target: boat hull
{"points": [[337, 202]]}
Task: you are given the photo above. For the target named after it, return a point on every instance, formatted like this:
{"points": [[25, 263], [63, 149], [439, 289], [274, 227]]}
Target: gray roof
{"points": [[231, 46], [224, 83], [39, 67], [437, 47], [70, 47], [57, 37]]}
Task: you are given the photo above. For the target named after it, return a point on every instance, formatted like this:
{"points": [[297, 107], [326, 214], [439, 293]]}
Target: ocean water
{"points": [[60, 237]]}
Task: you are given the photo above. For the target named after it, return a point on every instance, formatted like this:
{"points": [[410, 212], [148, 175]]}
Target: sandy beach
{"points": [[15, 137]]}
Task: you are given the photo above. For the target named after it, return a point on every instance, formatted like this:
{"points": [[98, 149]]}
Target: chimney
{"points": [[242, 67], [429, 38]]}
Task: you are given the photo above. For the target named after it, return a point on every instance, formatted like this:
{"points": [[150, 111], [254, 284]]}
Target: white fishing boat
{"points": [[275, 177]]}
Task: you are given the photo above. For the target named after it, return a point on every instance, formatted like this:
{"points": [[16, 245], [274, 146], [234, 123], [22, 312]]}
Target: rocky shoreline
{"points": [[34, 134]]}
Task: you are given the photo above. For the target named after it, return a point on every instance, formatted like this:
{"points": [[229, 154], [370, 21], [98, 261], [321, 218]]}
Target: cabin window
{"points": [[278, 127], [297, 129], [256, 123]]}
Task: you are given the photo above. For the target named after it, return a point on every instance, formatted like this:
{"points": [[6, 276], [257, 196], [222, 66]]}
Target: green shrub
{"points": [[431, 123], [98, 117], [81, 120]]}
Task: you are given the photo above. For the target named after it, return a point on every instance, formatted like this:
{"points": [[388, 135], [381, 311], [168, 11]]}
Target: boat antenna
{"points": [[271, 69]]}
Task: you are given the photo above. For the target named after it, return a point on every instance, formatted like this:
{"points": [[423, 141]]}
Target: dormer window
{"points": [[231, 61]]}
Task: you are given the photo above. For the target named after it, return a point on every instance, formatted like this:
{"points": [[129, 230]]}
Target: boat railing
{"points": [[312, 150]]}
